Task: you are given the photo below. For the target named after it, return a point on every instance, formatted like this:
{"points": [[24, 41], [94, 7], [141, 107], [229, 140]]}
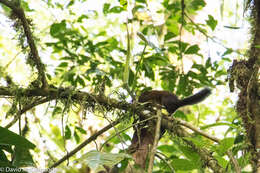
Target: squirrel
{"points": [[143, 138], [170, 101]]}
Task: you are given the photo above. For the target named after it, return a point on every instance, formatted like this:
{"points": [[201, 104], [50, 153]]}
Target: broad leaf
{"points": [[58, 29], [67, 132], [211, 22], [10, 138], [183, 164], [224, 145], [95, 159], [22, 158], [192, 49]]}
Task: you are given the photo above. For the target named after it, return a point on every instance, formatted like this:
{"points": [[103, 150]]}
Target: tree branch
{"points": [[213, 138], [35, 55], [193, 128], [156, 140], [174, 127], [26, 108], [83, 144], [169, 123]]}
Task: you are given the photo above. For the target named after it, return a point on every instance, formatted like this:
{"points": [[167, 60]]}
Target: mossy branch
{"points": [[34, 55], [169, 123]]}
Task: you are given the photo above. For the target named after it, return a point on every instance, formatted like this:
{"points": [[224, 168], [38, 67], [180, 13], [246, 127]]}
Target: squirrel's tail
{"points": [[196, 98]]}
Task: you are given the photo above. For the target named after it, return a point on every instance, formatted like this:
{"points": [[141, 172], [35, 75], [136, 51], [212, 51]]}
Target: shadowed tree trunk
{"points": [[245, 74]]}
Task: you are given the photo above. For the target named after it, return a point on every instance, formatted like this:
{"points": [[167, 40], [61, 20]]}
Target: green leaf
{"points": [[198, 4], [192, 49], [183, 164], [70, 3], [198, 141], [81, 81], [220, 73], [208, 63], [169, 36], [182, 45], [137, 8], [223, 162], [22, 158], [131, 77], [3, 156], [106, 8], [190, 154], [172, 26], [211, 22], [148, 70], [76, 137], [123, 3], [63, 64], [58, 29], [115, 140], [10, 138], [141, 1], [147, 41], [157, 60], [67, 132], [81, 130], [126, 137], [200, 68], [56, 110], [218, 124], [116, 9], [26, 6], [180, 114], [224, 145], [80, 19], [95, 159], [257, 46], [55, 135], [167, 148]]}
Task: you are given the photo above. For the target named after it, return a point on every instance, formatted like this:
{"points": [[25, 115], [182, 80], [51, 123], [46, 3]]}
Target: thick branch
{"points": [[64, 93], [169, 123], [156, 140], [35, 55]]}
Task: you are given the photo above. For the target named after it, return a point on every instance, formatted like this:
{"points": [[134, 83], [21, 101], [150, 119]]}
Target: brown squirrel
{"points": [[170, 101]]}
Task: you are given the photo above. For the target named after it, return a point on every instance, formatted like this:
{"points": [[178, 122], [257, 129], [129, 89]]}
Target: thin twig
{"points": [[165, 161], [234, 162], [195, 129], [180, 39], [25, 109], [83, 144], [210, 37], [124, 129]]}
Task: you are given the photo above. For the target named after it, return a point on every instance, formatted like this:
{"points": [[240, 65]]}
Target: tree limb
{"points": [[156, 140], [26, 108], [19, 12], [169, 123], [83, 144]]}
